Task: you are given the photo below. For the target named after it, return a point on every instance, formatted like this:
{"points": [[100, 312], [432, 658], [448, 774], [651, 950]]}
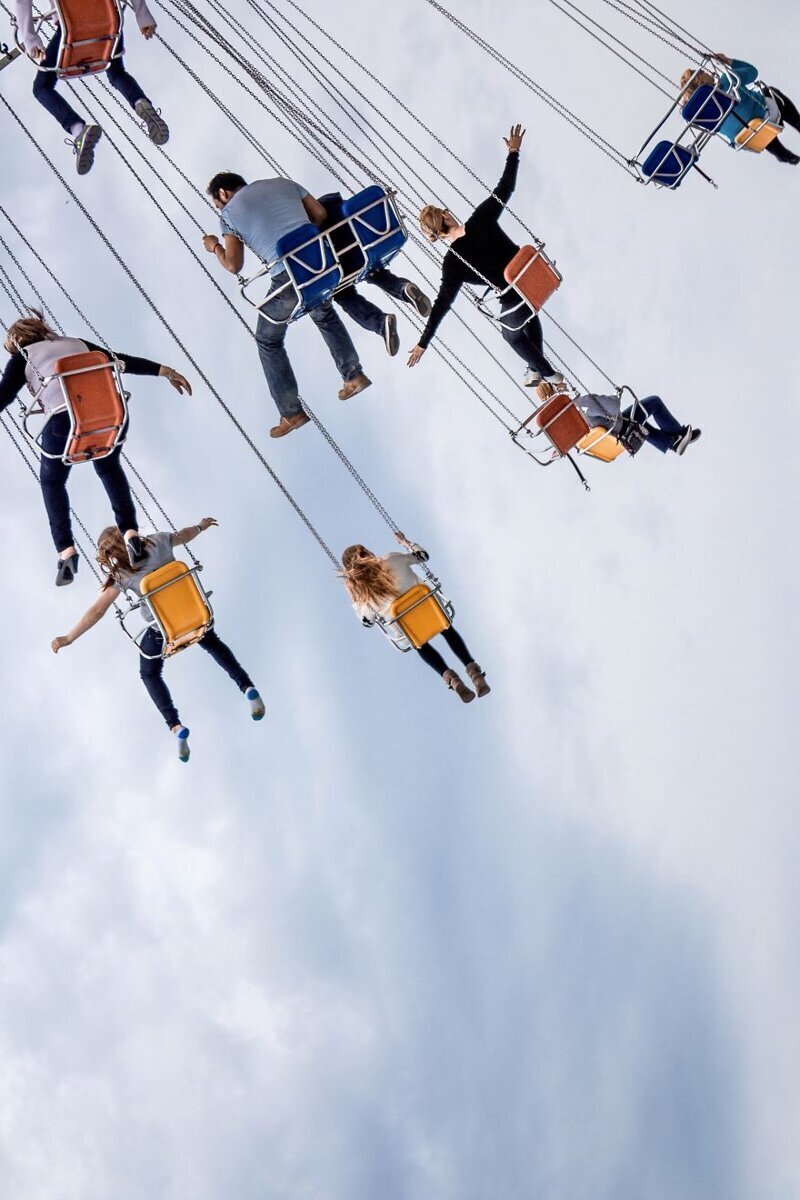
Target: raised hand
{"points": [[514, 139]]}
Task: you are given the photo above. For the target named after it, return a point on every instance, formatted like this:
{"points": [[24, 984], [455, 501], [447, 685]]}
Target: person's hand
{"points": [[37, 54], [514, 139], [210, 241], [59, 643], [723, 58], [402, 539], [415, 355], [178, 381], [148, 31], [544, 390], [206, 523]]}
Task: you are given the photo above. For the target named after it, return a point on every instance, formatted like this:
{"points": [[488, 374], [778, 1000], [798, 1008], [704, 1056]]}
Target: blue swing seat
{"points": [[376, 224], [707, 108], [312, 265], [668, 164]]}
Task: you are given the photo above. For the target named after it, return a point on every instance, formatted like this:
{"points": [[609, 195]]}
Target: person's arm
{"points": [[316, 212], [413, 548], [745, 72], [184, 536], [144, 18], [92, 615], [131, 364], [13, 380], [230, 255], [449, 289], [27, 30]]}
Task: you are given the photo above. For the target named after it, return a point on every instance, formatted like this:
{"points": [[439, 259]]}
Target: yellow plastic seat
{"points": [[599, 443], [758, 135], [420, 614], [179, 605]]}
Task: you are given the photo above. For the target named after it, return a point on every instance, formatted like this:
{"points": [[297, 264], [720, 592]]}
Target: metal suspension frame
{"points": [[523, 303], [35, 409]]}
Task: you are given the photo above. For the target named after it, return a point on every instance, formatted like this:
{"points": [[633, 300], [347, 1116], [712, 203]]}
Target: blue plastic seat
{"points": [[377, 225], [313, 267], [707, 108], [668, 164]]}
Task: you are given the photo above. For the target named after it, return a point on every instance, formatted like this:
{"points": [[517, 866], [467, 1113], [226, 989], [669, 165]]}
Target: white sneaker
{"points": [[532, 379], [83, 147]]}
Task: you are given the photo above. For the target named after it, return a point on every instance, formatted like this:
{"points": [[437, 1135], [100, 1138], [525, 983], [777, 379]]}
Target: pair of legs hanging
{"points": [[527, 342], [789, 116], [666, 432], [53, 476], [46, 92], [151, 671], [455, 643], [363, 311]]}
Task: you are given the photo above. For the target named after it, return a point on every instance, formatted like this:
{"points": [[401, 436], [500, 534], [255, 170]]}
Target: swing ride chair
{"points": [[371, 233], [559, 420], [534, 278], [601, 443], [180, 607], [91, 31], [96, 401], [420, 613]]}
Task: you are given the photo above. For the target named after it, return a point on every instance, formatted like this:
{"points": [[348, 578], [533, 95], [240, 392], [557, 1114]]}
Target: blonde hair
{"points": [[367, 578], [431, 220], [27, 330], [689, 88], [112, 555]]}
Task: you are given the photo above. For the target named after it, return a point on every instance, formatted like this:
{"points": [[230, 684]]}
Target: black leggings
{"points": [[456, 643], [151, 670], [790, 116]]}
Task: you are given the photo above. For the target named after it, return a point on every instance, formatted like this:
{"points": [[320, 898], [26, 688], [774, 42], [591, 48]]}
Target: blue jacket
{"points": [[752, 104]]}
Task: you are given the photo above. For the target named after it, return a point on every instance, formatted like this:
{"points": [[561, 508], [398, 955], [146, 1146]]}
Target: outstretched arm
{"points": [[144, 18], [448, 291], [13, 380], [92, 615], [133, 365], [183, 536]]}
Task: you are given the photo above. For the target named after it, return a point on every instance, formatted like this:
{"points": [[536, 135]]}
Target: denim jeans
{"points": [[527, 341], [456, 643], [44, 86], [270, 339], [53, 476], [151, 671], [663, 437], [364, 312]]}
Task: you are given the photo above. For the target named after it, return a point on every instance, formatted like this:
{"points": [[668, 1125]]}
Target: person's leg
{"points": [[270, 338], [664, 434], [390, 283], [122, 81], [433, 658], [113, 478], [783, 154], [151, 672], [338, 341], [458, 646], [529, 345], [44, 89], [362, 311], [53, 476], [224, 657], [787, 108]]}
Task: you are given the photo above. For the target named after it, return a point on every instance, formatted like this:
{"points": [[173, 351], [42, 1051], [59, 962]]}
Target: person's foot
{"points": [[478, 680], [555, 380], [353, 386], [257, 707], [791, 158], [684, 440], [182, 735], [391, 338], [417, 298], [458, 686], [83, 147], [155, 125], [289, 424], [532, 378], [137, 552], [67, 569]]}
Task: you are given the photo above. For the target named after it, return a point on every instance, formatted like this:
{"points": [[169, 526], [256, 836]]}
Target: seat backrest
{"points": [[758, 135], [376, 224], [90, 29], [422, 621], [707, 107], [311, 262], [181, 608], [599, 443], [562, 421], [668, 165], [97, 406], [532, 274]]}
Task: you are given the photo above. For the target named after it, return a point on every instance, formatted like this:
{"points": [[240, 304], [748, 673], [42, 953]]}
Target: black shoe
{"points": [[416, 297], [136, 550], [391, 338], [67, 570]]}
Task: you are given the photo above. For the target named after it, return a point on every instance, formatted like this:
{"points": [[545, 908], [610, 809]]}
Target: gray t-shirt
{"points": [[263, 212], [159, 552], [600, 410]]}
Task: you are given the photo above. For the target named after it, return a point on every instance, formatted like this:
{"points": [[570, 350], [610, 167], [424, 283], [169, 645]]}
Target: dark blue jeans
{"points": [[53, 476], [364, 312], [270, 339], [44, 86], [528, 342], [663, 437], [456, 643], [151, 671]]}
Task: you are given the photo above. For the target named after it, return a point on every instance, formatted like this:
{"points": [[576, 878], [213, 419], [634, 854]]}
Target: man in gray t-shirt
{"points": [[257, 215]]}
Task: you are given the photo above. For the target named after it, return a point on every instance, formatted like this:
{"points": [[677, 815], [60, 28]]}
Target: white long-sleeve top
{"points": [[31, 40], [401, 566]]}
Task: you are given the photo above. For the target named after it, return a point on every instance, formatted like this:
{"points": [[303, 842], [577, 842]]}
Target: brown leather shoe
{"points": [[459, 687], [289, 424], [478, 680], [353, 386]]}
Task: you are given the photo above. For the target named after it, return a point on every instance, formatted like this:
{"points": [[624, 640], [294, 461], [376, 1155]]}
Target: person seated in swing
{"points": [[479, 253], [258, 215], [34, 348], [120, 576], [363, 311], [754, 105], [374, 583], [83, 136], [647, 422]]}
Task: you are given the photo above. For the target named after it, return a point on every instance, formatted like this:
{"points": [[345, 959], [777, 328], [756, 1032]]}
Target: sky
{"points": [[383, 943]]}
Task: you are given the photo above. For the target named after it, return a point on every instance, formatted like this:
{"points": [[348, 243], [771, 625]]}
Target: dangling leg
{"points": [[53, 476], [529, 345], [787, 108], [270, 339], [369, 317], [151, 671], [82, 137], [224, 657], [459, 647], [113, 478], [434, 659], [670, 434], [129, 89], [400, 289], [342, 350]]}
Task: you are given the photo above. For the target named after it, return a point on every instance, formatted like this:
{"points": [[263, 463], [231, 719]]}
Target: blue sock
{"points": [[257, 709]]}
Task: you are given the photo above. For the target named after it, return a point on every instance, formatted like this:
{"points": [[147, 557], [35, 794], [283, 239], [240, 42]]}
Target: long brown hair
{"points": [[112, 555], [27, 330], [367, 578]]}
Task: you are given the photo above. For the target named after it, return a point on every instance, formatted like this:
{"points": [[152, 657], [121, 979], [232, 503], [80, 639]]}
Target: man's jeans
{"points": [[662, 438], [274, 359], [44, 86], [363, 311]]}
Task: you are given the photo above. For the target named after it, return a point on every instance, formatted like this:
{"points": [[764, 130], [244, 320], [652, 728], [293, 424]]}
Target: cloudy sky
{"points": [[382, 944]]}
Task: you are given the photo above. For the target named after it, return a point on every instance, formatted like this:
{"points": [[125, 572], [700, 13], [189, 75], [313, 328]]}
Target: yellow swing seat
{"points": [[758, 135], [179, 604], [420, 614], [599, 443]]}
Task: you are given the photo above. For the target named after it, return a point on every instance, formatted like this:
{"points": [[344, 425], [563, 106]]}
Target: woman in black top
{"points": [[479, 253]]}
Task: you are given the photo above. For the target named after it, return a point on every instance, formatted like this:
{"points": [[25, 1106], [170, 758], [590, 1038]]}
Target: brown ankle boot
{"points": [[355, 385], [459, 687], [478, 678]]}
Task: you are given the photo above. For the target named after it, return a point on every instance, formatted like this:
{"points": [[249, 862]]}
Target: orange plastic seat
{"points": [[420, 614], [90, 33], [599, 443], [562, 421], [179, 605], [531, 273], [758, 135], [95, 402]]}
